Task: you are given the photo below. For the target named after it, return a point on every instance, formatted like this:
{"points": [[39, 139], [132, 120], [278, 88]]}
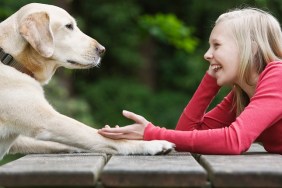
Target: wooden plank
{"points": [[255, 168], [53, 170], [173, 170]]}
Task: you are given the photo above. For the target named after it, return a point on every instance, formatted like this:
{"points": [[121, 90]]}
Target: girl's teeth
{"points": [[216, 67]]}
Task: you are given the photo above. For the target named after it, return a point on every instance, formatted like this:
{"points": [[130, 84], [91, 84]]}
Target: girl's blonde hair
{"points": [[259, 38]]}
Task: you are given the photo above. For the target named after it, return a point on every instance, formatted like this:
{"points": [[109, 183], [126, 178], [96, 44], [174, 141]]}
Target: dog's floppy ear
{"points": [[35, 28]]}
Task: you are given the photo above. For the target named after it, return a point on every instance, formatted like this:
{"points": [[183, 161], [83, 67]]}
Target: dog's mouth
{"points": [[76, 64]]}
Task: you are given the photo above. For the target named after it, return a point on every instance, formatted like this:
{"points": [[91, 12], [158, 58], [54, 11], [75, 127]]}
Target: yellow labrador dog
{"points": [[34, 42]]}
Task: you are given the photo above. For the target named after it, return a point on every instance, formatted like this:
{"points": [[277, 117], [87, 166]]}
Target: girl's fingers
{"points": [[116, 129], [135, 117], [117, 136], [111, 135], [107, 126], [129, 115]]}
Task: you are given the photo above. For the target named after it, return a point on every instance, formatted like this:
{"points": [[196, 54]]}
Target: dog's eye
{"points": [[69, 26]]}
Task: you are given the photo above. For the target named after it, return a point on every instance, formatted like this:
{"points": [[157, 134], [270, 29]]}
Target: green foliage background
{"points": [[154, 59]]}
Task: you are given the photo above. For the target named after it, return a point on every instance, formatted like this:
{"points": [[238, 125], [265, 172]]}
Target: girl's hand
{"points": [[133, 132]]}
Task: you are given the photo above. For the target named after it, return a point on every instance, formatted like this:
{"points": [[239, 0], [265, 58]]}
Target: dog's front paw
{"points": [[157, 147]]}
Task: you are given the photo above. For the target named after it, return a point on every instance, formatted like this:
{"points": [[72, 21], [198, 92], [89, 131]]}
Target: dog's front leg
{"points": [[68, 131], [62, 129], [27, 145], [40, 121]]}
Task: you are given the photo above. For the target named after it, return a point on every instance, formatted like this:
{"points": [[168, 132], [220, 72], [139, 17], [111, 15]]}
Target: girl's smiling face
{"points": [[223, 55]]}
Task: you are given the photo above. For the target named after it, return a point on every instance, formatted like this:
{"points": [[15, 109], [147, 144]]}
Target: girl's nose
{"points": [[208, 55]]}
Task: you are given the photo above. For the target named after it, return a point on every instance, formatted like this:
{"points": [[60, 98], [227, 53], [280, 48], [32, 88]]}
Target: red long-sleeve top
{"points": [[219, 131]]}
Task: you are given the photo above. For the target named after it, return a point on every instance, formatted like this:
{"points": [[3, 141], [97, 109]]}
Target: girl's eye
{"points": [[69, 26], [216, 45]]}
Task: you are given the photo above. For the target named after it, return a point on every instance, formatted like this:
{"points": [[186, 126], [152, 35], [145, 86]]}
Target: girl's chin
{"points": [[223, 83], [220, 82]]}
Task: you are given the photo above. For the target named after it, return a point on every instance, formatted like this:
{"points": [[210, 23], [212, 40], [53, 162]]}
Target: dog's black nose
{"points": [[100, 50]]}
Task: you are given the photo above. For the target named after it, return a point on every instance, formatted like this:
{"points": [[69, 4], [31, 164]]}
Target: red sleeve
{"points": [[194, 115], [259, 115]]}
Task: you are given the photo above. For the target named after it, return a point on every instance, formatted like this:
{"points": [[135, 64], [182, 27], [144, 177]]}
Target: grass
{"points": [[9, 158]]}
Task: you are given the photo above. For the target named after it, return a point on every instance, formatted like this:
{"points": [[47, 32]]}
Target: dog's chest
{"points": [[13, 80]]}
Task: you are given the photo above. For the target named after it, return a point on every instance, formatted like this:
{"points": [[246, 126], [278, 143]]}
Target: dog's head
{"points": [[52, 40]]}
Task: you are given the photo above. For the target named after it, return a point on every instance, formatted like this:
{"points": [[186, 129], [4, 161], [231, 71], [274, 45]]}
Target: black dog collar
{"points": [[6, 58]]}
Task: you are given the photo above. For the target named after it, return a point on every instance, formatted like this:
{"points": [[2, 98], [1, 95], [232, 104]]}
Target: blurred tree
{"points": [[168, 29], [135, 58]]}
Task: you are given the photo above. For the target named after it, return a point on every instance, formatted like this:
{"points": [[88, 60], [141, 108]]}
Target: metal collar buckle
{"points": [[6, 58]]}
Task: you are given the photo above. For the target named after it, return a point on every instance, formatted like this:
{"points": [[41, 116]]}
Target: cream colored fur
{"points": [[42, 38]]}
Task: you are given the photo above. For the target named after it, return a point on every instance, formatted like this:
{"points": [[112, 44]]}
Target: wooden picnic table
{"points": [[255, 168]]}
